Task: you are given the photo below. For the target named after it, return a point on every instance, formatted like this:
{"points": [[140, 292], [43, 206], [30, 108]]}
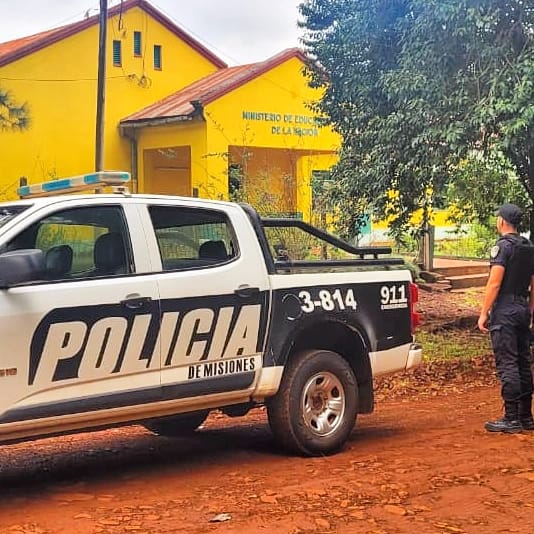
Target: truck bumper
{"points": [[415, 356]]}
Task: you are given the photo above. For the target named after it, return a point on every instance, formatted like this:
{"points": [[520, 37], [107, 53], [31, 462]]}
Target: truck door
{"points": [[214, 295], [83, 337]]}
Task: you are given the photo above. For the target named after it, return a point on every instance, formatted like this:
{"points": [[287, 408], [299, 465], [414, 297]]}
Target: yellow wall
{"points": [[269, 177], [296, 143], [191, 134], [282, 92], [283, 146], [308, 164], [439, 218], [276, 160], [59, 83]]}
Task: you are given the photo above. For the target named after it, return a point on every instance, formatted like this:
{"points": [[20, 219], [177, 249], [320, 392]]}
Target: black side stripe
{"points": [[95, 403]]}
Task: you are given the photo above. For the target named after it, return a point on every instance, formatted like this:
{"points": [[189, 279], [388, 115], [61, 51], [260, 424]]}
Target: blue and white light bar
{"points": [[94, 181]]}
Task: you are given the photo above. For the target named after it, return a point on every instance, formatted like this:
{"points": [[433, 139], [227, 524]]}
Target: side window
{"points": [[157, 57], [117, 53], [137, 44], [80, 243], [191, 238]]}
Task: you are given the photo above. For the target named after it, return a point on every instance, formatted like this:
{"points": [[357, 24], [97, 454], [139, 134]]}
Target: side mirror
{"points": [[19, 266]]}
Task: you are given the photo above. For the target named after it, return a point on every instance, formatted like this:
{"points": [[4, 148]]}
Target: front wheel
{"points": [[315, 408]]}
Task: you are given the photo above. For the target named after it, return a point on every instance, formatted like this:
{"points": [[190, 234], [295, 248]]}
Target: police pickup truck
{"points": [[118, 308]]}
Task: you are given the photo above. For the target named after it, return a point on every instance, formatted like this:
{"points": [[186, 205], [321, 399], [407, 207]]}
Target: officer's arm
{"points": [[493, 285]]}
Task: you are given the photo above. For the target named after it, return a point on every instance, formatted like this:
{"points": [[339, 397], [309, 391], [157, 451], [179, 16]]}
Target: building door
{"points": [[167, 171]]}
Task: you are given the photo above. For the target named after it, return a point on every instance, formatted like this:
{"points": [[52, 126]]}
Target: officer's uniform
{"points": [[509, 325]]}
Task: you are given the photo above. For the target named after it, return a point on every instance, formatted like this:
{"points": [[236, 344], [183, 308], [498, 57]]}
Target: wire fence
{"points": [[469, 242]]}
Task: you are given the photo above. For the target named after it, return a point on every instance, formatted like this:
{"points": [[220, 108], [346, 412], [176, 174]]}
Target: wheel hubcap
{"points": [[323, 403]]}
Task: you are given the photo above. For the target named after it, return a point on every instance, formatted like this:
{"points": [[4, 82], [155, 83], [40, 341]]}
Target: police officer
{"points": [[506, 313]]}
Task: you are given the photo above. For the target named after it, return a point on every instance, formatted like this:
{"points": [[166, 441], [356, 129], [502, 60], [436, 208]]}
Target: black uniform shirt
{"points": [[516, 254], [501, 252]]}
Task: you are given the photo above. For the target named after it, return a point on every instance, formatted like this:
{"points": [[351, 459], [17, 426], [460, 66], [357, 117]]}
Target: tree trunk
{"points": [[426, 249], [528, 182]]}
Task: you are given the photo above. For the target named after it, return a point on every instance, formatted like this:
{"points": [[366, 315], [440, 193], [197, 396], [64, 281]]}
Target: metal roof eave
{"points": [[161, 121]]}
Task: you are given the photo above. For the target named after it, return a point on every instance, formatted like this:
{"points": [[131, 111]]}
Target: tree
{"points": [[419, 90], [13, 116]]}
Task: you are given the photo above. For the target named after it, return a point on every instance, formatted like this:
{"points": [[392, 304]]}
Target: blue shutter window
{"points": [[157, 57], [117, 54], [137, 44]]}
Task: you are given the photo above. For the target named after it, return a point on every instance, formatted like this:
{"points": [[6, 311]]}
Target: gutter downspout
{"points": [[198, 109], [130, 133]]}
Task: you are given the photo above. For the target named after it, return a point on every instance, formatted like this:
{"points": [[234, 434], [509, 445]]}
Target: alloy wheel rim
{"points": [[323, 403]]}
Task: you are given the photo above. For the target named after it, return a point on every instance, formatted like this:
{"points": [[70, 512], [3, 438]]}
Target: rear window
{"points": [[8, 212]]}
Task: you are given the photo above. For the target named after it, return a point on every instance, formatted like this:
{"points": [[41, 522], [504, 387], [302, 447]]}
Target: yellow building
{"points": [[176, 116]]}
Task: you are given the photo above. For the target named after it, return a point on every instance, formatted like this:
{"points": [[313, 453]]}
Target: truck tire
{"points": [[315, 408], [175, 426]]}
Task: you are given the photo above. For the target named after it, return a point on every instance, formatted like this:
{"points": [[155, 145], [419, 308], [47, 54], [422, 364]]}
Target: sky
{"points": [[238, 31]]}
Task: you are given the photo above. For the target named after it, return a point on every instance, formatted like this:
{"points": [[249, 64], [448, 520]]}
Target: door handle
{"points": [[135, 302], [245, 291]]}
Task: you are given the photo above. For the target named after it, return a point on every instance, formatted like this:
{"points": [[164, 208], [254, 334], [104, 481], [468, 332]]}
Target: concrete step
{"points": [[468, 280], [465, 269]]}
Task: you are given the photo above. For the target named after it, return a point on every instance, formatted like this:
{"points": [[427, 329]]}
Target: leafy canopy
{"points": [[13, 116], [429, 96]]}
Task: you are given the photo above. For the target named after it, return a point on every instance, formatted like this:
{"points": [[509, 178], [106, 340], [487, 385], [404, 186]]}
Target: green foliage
{"points": [[321, 185], [414, 269], [13, 116], [481, 183], [429, 96], [474, 242]]}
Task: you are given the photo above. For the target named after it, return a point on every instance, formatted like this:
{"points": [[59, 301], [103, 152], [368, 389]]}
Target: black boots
{"points": [[525, 413], [509, 424], [504, 425]]}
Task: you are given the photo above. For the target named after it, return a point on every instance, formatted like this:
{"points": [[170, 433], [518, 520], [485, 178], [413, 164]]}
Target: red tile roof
{"points": [[12, 50], [179, 105]]}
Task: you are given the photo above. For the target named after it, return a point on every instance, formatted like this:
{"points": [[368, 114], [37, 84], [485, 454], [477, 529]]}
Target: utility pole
{"points": [[101, 87]]}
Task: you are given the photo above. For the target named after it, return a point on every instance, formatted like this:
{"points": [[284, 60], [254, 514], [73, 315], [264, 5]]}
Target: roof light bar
{"points": [[94, 181]]}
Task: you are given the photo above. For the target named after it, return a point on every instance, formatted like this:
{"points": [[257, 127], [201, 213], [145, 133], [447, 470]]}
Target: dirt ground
{"points": [[422, 462]]}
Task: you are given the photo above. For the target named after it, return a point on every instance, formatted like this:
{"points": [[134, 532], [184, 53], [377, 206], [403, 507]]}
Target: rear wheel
{"points": [[315, 409], [177, 425]]}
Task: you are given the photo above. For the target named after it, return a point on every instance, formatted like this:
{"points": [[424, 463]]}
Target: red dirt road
{"points": [[419, 463]]}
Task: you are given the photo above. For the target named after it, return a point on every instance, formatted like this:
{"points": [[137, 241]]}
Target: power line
{"points": [[60, 80]]}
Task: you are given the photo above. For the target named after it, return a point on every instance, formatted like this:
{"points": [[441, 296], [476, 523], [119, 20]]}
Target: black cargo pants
{"points": [[509, 326]]}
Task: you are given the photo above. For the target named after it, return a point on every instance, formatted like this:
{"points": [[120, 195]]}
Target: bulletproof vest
{"points": [[520, 266]]}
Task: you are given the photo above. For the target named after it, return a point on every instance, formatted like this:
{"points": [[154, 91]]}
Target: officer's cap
{"points": [[510, 213]]}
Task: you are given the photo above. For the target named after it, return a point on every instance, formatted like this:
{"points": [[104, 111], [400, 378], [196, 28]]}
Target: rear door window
{"points": [[191, 238]]}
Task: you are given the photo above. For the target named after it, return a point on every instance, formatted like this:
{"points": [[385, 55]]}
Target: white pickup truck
{"points": [[119, 308]]}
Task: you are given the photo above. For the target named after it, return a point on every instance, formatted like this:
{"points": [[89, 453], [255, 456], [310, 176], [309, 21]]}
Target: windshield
{"points": [[8, 212]]}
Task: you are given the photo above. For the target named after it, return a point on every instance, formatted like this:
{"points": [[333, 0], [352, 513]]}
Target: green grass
{"points": [[453, 344], [473, 297]]}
